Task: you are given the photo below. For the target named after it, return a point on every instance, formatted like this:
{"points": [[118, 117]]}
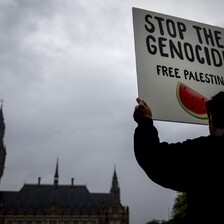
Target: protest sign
{"points": [[180, 65]]}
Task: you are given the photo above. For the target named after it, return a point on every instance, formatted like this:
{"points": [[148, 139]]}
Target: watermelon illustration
{"points": [[191, 101]]}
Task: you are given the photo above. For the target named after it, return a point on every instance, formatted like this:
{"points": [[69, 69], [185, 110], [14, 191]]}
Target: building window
{"points": [[9, 221], [52, 222], [115, 210], [75, 222], [19, 221], [38, 222], [28, 222]]}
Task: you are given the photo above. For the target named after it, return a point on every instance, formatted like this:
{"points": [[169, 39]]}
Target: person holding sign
{"points": [[194, 166]]}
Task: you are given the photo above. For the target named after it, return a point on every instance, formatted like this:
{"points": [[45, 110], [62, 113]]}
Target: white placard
{"points": [[180, 65]]}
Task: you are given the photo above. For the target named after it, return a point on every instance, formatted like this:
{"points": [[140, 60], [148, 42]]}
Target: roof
{"points": [[66, 197]]}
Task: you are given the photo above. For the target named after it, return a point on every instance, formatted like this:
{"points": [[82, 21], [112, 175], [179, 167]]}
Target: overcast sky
{"points": [[69, 84]]}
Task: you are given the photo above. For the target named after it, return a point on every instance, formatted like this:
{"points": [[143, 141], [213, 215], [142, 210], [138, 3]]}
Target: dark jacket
{"points": [[194, 166]]}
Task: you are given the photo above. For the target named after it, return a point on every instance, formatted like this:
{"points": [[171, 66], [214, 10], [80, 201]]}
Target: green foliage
{"points": [[154, 221], [180, 206], [178, 211]]}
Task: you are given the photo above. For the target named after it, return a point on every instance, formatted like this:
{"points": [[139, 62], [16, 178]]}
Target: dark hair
{"points": [[215, 106]]}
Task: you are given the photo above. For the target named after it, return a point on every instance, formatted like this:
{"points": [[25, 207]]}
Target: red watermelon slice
{"points": [[191, 101]]}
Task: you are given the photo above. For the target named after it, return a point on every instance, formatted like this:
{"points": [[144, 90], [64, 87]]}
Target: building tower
{"points": [[115, 189], [2, 146]]}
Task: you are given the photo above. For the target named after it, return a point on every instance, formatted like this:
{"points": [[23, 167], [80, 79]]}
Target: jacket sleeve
{"points": [[158, 159]]}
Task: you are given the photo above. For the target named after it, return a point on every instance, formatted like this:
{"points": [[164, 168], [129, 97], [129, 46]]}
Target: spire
{"points": [[2, 146], [56, 176], [115, 180], [2, 123], [115, 185]]}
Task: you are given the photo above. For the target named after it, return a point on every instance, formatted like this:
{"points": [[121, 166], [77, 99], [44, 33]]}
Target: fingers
{"points": [[142, 109], [141, 104], [140, 101]]}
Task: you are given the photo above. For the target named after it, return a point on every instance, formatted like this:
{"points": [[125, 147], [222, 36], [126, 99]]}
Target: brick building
{"points": [[59, 204]]}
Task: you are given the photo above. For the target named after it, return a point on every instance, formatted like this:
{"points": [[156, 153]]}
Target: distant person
{"points": [[194, 166]]}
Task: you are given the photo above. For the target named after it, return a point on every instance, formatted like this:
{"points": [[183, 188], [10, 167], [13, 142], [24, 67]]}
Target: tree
{"points": [[180, 206], [154, 221], [178, 211]]}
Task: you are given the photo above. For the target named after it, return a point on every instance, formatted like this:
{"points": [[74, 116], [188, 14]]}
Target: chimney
{"points": [[39, 179], [72, 182]]}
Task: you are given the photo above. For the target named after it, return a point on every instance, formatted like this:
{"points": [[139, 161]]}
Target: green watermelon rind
{"points": [[201, 116]]}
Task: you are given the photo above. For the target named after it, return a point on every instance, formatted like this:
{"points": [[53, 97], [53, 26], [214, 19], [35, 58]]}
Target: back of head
{"points": [[215, 106]]}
